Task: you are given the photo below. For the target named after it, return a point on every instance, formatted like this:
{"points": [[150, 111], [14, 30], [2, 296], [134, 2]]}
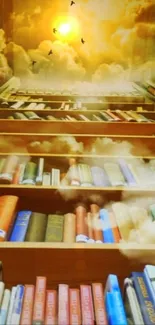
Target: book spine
{"points": [[124, 115], [86, 305], [149, 287], [4, 307], [30, 174], [127, 173], [85, 175], [100, 312], [55, 228], [21, 226], [114, 173], [114, 228], [7, 210], [2, 164], [90, 228], [40, 171], [32, 116], [9, 169], [51, 313], [17, 105], [75, 309], [144, 297], [107, 231], [69, 234], [17, 307], [55, 177], [27, 310], [21, 172], [73, 175], [63, 304], [12, 300], [106, 117], [150, 270], [98, 233], [99, 177], [46, 179], [114, 116], [20, 116], [2, 287], [81, 225], [39, 301], [109, 303]]}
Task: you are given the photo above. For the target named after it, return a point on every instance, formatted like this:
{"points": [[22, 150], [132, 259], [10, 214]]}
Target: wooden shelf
{"points": [[70, 127]]}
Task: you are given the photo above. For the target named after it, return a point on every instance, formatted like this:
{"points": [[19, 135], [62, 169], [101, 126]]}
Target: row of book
{"points": [[96, 303], [124, 173], [106, 116], [96, 225]]}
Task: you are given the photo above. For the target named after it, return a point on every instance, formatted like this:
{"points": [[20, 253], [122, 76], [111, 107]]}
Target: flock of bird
{"points": [[55, 31]]}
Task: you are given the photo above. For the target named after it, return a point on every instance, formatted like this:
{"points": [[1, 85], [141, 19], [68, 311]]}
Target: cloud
{"points": [[107, 73], [147, 14]]}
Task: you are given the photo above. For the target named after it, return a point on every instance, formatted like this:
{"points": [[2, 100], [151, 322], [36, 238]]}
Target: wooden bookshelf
{"points": [[74, 263]]}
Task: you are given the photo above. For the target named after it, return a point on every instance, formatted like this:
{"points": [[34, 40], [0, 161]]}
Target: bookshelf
{"points": [[60, 262]]}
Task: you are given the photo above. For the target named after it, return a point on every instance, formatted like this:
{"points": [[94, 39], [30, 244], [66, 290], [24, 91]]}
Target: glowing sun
{"points": [[64, 28], [67, 28]]}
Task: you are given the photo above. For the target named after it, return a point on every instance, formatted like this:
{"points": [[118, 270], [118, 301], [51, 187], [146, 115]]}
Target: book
{"points": [[86, 305], [107, 231], [90, 228], [11, 304], [17, 306], [81, 224], [51, 313], [55, 177], [32, 116], [73, 174], [20, 116], [8, 205], [85, 175], [114, 174], [97, 118], [39, 301], [123, 219], [74, 307], [110, 310], [132, 307], [21, 172], [84, 118], [30, 174], [144, 298], [99, 177], [46, 179], [106, 117], [112, 287], [36, 228], [99, 306], [127, 172], [2, 164], [2, 287], [7, 173], [63, 304], [27, 309], [40, 172], [98, 233], [69, 233], [114, 227], [17, 105], [55, 227], [114, 116], [124, 115], [149, 282], [20, 226], [31, 106]]}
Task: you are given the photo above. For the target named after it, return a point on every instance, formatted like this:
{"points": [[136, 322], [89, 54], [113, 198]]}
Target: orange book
{"points": [[51, 307], [9, 169], [27, 310], [98, 233], [90, 228], [86, 305], [81, 224], [8, 204], [114, 227], [75, 309], [39, 301], [63, 304], [100, 311]]}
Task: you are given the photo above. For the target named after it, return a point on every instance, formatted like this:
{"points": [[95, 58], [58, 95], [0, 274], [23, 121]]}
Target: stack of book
{"points": [[96, 303], [119, 222], [116, 173], [103, 116]]}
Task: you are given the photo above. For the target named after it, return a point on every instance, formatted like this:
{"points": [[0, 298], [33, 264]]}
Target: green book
{"points": [[54, 231], [2, 164], [20, 116], [30, 174], [37, 227]]}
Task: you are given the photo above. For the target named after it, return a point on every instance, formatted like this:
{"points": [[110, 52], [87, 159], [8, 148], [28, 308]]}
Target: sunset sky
{"points": [[119, 40]]}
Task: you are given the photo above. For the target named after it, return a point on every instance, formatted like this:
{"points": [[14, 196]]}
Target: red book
{"points": [[39, 301], [27, 310], [63, 304], [75, 309], [86, 305], [100, 311], [51, 307]]}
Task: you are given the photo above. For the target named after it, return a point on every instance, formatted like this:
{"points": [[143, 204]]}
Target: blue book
{"points": [[17, 307], [20, 226], [127, 173], [107, 231], [110, 310], [119, 315], [144, 297], [149, 273]]}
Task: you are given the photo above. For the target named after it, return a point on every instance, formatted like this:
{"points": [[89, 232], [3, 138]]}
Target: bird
{"points": [[50, 52], [54, 30], [82, 41], [72, 3], [34, 62]]}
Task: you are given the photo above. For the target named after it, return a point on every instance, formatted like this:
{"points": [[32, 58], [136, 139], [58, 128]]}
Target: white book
{"points": [[31, 106], [12, 299], [114, 173], [17, 306], [39, 178], [17, 105], [5, 307], [2, 287], [40, 106]]}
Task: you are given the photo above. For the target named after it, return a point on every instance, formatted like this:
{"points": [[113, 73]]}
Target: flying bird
{"points": [[54, 30], [34, 62], [50, 52], [72, 3], [82, 41]]}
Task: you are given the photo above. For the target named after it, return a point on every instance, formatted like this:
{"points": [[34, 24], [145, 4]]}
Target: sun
{"points": [[64, 28], [67, 28]]}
